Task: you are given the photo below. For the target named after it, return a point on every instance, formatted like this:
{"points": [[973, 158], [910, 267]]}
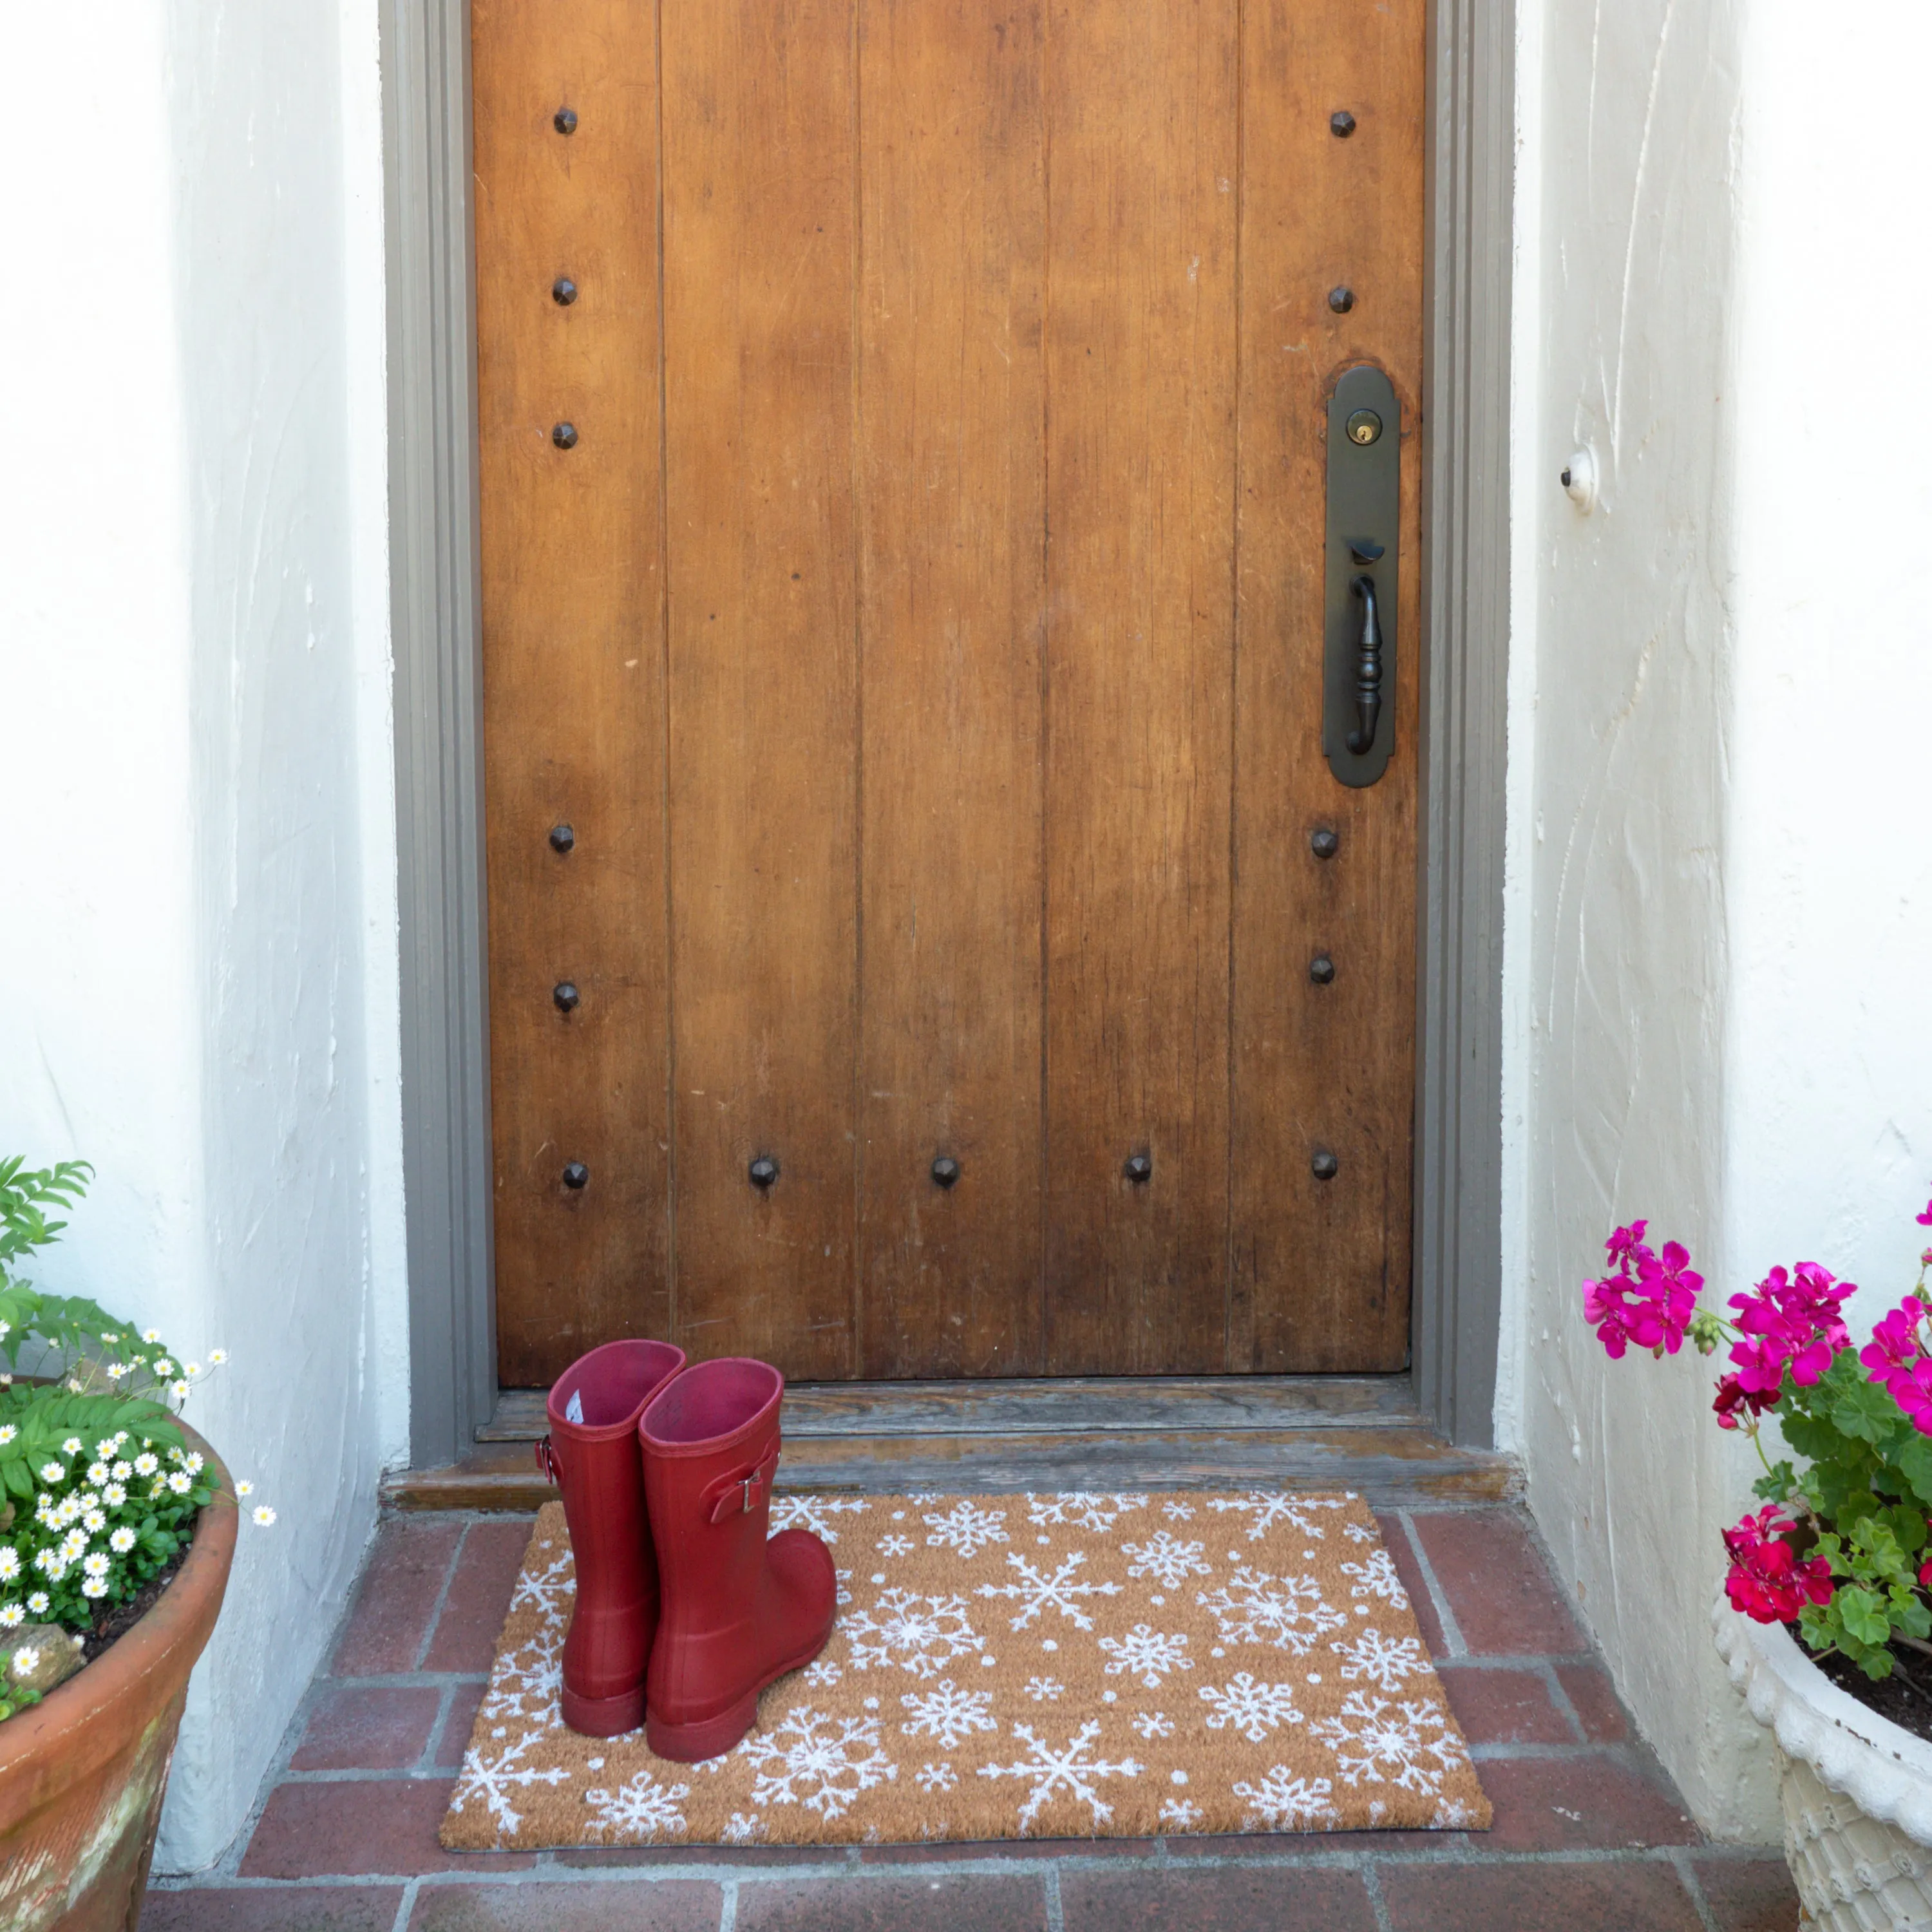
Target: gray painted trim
{"points": [[1465, 663], [434, 606], [438, 737]]}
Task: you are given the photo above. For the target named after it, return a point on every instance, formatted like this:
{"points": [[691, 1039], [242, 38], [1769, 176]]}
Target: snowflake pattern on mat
{"points": [[1181, 1814], [496, 1777], [1377, 1578], [742, 1827], [549, 1592], [824, 1672], [1270, 1506], [640, 1808], [948, 1715], [816, 1514], [966, 1529], [1358, 1532], [1146, 1655], [1035, 1593], [1387, 1663], [1251, 1709], [1062, 1769], [1165, 1558], [936, 1777], [920, 1634], [896, 1546], [527, 1687], [1407, 1744], [1283, 1802], [822, 1763], [1152, 1724], [1045, 1690], [1287, 1612], [1086, 1509]]}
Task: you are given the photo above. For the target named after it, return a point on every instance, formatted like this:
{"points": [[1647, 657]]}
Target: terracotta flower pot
{"points": [[82, 1773]]}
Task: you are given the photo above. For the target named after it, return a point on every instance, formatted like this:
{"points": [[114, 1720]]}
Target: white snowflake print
{"points": [[640, 1808], [1358, 1532], [1045, 1690], [741, 1828], [823, 1673], [1407, 1744], [1084, 1507], [1035, 1593], [1282, 1802], [895, 1545], [495, 1779], [1288, 1612], [1377, 1578], [1063, 1768], [1153, 1723], [936, 1777], [821, 1762], [793, 1511], [1251, 1709], [948, 1715], [1175, 1510], [551, 1592], [1451, 1814], [1146, 1655], [1165, 1558], [920, 1634], [1269, 1506], [1385, 1662], [528, 1686], [922, 1497], [965, 1529], [842, 1580]]}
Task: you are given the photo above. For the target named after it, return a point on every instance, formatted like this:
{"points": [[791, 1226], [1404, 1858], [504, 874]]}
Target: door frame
{"points": [[435, 605]]}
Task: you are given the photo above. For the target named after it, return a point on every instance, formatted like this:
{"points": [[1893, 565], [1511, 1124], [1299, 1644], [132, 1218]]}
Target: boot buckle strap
{"points": [[738, 1495], [546, 1460]]}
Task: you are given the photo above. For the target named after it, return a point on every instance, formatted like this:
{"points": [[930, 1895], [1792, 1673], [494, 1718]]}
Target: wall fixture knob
{"points": [[563, 292], [763, 1171], [1321, 970], [1341, 124], [1324, 843], [945, 1170], [576, 1175], [1325, 1166], [1139, 1168], [564, 436], [561, 839], [565, 995], [564, 120], [1341, 299]]}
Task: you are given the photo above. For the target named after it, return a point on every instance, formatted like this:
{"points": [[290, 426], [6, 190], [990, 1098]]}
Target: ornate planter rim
{"points": [[1885, 1770]]}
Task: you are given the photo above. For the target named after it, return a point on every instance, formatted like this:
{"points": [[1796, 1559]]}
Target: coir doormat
{"points": [[1018, 1666]]}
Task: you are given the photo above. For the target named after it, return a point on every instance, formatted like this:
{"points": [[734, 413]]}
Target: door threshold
{"points": [[1359, 1433]]}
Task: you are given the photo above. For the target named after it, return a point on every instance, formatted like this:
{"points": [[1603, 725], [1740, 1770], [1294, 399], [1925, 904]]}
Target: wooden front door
{"points": [[903, 432]]}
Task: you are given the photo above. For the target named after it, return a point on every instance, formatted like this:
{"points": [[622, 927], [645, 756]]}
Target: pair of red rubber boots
{"points": [[685, 1611]]}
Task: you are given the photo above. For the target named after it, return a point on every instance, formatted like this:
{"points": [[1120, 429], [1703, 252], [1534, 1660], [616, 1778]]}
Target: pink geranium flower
{"points": [[1894, 1346], [1732, 1396], [1924, 1220], [1792, 1320], [1912, 1389], [1646, 1299], [1767, 1581]]}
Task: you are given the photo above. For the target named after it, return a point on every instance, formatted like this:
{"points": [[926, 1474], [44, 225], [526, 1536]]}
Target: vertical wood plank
{"points": [[1322, 1271], [573, 692], [759, 237], [952, 568], [1143, 106]]}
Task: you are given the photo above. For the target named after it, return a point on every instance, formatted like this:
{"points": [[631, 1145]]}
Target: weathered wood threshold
{"points": [[1361, 1433]]}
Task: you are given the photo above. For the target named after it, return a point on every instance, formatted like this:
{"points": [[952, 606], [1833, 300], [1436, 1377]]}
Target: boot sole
{"points": [[712, 1737], [604, 1716]]}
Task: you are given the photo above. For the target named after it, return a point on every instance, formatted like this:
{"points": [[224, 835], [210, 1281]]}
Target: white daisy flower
{"points": [[191, 1370], [53, 1472], [115, 1370], [146, 1464], [11, 1616], [121, 1471], [179, 1388], [6, 1328], [164, 1365], [264, 1515], [181, 1482], [97, 1473], [108, 1336], [74, 1545], [95, 1522], [76, 1386], [196, 1463], [121, 1541], [7, 1432], [72, 1445], [40, 1603], [25, 1660], [105, 1447], [94, 1586], [120, 1437], [244, 1488], [114, 1495], [216, 1357], [51, 1564], [9, 1563], [98, 1564], [150, 1334]]}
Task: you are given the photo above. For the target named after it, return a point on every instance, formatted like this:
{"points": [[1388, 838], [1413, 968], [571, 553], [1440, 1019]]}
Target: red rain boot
{"points": [[591, 1452], [738, 1611]]}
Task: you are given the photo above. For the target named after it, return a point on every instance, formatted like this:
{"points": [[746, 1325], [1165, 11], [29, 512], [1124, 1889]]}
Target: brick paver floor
{"points": [[1588, 1831]]}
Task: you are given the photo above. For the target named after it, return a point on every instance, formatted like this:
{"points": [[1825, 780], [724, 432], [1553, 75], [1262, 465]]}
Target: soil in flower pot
{"points": [[123, 1617], [1893, 1698]]}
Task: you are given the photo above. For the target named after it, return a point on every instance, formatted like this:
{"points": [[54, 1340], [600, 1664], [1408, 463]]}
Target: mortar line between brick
{"points": [[727, 1906], [1372, 1884], [406, 1905], [1560, 1698], [441, 1597], [446, 1701], [1452, 1631], [1056, 1918], [1687, 1876]]}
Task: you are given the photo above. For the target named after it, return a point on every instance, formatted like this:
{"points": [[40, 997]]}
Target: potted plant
{"points": [[1825, 1619], [117, 1525]]}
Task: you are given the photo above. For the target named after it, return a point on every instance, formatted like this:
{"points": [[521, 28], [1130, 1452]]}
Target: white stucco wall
{"points": [[1719, 890], [198, 870]]}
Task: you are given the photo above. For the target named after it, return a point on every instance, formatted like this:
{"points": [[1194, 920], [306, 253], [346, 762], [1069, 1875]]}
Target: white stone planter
{"points": [[1856, 1790]]}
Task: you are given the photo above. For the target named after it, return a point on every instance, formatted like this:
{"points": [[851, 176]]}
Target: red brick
{"points": [[1588, 1687], [621, 1857], [400, 1588], [454, 1738], [308, 1908], [1277, 1897], [994, 1903], [1620, 1897], [361, 1827], [1504, 1600], [358, 1730], [1289, 1845], [954, 1849], [1745, 1894], [1505, 1707], [639, 1905], [1410, 1571], [479, 1596], [1596, 1803]]}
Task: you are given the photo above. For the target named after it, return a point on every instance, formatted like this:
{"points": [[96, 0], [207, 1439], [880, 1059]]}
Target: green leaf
{"points": [[1863, 1615], [1866, 1410], [1776, 1484], [1914, 1463]]}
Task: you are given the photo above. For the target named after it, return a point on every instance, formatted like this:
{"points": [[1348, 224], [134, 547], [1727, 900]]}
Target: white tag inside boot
{"points": [[573, 1410]]}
